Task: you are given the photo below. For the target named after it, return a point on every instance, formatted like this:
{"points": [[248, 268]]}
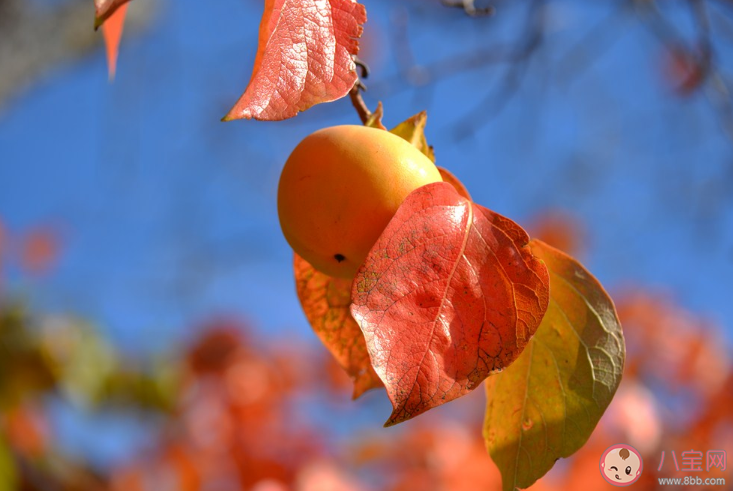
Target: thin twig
{"points": [[700, 14], [699, 54], [469, 6], [597, 40], [356, 100], [355, 93], [508, 86], [702, 56]]}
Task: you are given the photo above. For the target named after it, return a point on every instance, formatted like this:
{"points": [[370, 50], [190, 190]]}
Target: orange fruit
{"points": [[339, 189]]}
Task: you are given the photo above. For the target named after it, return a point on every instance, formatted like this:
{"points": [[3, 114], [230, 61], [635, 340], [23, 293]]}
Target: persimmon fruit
{"points": [[339, 189]]}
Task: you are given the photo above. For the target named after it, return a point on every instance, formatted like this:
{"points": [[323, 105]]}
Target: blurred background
{"points": [[150, 335]]}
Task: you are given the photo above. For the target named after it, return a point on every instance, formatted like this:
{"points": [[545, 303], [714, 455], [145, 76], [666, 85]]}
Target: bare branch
{"points": [[356, 100], [593, 45], [355, 93], [530, 42], [469, 6]]}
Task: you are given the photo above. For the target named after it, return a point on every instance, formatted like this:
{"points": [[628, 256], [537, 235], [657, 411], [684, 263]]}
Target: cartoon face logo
{"points": [[621, 465]]}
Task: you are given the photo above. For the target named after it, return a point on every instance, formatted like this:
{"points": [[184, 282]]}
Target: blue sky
{"points": [[168, 216]]}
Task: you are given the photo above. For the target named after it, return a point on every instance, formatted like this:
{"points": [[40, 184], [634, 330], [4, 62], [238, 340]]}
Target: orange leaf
{"points": [[325, 301], [131, 479], [559, 229], [112, 30], [453, 180], [27, 430], [304, 57], [185, 468], [39, 250], [449, 294]]}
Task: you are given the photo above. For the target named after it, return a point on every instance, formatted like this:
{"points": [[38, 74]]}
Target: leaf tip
{"points": [[400, 415], [359, 388], [392, 420], [112, 31], [231, 115], [236, 113]]}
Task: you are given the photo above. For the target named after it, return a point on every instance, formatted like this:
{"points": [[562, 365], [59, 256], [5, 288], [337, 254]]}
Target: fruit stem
{"points": [[361, 109]]}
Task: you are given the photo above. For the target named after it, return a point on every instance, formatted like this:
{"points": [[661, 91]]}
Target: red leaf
{"points": [[27, 430], [685, 70], [303, 57], [449, 293], [112, 30], [325, 301], [103, 10]]}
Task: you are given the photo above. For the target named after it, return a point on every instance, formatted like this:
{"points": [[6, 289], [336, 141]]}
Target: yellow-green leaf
{"points": [[547, 403], [375, 119], [8, 478], [413, 130]]}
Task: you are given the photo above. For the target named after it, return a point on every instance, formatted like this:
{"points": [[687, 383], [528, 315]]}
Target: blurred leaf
{"points": [[26, 430], [185, 468], [156, 389], [324, 476], [8, 477], [304, 58], [685, 70], [82, 360], [558, 229], [449, 293], [547, 403], [215, 350], [112, 30], [39, 250], [325, 301], [23, 369], [91, 372]]}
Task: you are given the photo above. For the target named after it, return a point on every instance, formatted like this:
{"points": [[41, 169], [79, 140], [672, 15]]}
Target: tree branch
{"points": [[355, 93], [356, 100]]}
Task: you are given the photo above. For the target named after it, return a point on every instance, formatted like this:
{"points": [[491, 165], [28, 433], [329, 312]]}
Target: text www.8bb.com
{"points": [[691, 481]]}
